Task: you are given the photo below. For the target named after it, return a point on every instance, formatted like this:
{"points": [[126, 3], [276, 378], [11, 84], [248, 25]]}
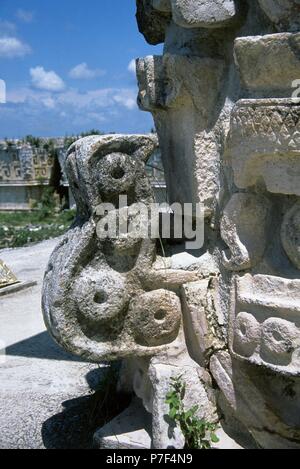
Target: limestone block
{"points": [[198, 392], [269, 64], [152, 21], [202, 328], [183, 95], [265, 327], [203, 13], [285, 14], [266, 404], [199, 13], [264, 145], [244, 228], [129, 430], [172, 81]]}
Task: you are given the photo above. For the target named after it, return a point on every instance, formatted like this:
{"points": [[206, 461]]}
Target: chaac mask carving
{"points": [[103, 297], [229, 134], [96, 296]]}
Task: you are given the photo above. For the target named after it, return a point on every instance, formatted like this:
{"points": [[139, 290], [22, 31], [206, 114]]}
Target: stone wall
{"points": [[221, 96]]}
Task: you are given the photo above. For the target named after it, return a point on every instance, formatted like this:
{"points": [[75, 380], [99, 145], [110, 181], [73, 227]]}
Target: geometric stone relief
{"points": [[264, 144], [265, 322]]}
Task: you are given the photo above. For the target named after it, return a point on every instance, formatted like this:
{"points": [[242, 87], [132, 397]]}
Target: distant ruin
{"points": [[26, 169]]}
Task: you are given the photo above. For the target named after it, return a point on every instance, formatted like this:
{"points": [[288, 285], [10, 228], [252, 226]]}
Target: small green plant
{"points": [[198, 433]]}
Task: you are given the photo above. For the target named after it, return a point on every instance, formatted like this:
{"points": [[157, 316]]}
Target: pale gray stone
{"points": [[261, 331], [203, 331], [269, 64], [263, 144], [129, 430], [244, 228]]}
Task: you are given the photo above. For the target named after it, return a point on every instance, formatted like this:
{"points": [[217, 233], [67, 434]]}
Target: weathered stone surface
{"points": [[203, 14], [169, 87], [198, 392], [285, 14], [45, 393], [244, 228], [203, 330], [195, 13], [246, 173], [269, 64], [129, 430], [103, 299], [264, 145], [152, 21], [290, 234], [264, 325], [156, 318]]}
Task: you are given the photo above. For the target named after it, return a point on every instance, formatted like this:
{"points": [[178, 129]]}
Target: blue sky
{"points": [[66, 67]]}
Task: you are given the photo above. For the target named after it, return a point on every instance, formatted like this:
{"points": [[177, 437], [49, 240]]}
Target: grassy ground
{"points": [[22, 228]]}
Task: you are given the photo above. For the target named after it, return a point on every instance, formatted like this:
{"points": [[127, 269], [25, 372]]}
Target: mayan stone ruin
{"points": [[225, 100]]}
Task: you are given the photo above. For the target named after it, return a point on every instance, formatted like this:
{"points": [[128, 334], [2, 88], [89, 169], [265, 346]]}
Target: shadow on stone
{"points": [[74, 427], [40, 346]]}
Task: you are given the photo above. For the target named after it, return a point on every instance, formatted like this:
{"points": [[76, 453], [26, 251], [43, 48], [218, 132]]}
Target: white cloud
{"points": [[7, 28], [47, 112], [12, 47], [83, 72], [126, 98], [132, 66], [72, 101], [25, 15], [44, 80]]}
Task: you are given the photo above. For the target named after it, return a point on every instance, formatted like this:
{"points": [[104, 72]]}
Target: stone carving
{"points": [[102, 297], [269, 64], [270, 134], [203, 328], [232, 142], [228, 129], [96, 300], [198, 13], [7, 277], [264, 325]]}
